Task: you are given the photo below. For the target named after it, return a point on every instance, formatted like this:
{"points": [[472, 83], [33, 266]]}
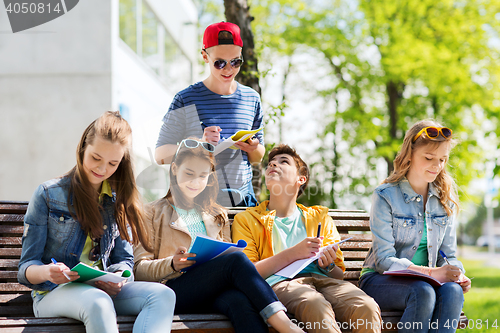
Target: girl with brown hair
{"points": [[92, 215], [228, 284]]}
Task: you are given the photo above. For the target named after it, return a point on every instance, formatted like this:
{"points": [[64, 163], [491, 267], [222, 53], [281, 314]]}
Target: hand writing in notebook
{"points": [[309, 247], [211, 134]]}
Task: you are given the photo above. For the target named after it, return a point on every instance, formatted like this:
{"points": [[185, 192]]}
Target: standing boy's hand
{"points": [[249, 145], [211, 134]]}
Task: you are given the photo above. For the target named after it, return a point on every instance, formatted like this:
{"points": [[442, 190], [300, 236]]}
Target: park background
{"points": [[340, 80]]}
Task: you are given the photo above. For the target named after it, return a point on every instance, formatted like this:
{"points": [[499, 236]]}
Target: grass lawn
{"points": [[482, 302]]}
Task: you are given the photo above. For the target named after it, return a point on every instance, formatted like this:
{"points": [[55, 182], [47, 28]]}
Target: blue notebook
{"points": [[207, 248]]}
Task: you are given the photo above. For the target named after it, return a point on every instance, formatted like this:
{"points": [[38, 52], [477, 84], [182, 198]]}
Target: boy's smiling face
{"points": [[282, 176], [222, 52]]}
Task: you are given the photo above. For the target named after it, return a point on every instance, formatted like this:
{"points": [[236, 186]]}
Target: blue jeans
{"points": [[230, 285], [241, 197], [426, 309], [153, 303]]}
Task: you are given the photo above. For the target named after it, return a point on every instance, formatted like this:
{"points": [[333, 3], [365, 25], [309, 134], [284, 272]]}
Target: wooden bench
{"points": [[16, 312]]}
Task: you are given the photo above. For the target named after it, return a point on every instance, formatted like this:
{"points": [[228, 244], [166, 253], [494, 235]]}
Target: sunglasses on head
{"points": [[191, 143], [433, 133], [221, 63], [95, 251]]}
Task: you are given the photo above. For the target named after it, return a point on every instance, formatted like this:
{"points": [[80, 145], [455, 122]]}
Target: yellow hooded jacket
{"points": [[255, 226]]}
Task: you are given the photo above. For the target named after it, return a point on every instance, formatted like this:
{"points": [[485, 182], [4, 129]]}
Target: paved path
{"points": [[471, 252]]}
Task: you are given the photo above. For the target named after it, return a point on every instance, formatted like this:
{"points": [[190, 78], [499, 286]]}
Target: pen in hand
{"points": [[55, 263], [444, 257], [319, 230]]}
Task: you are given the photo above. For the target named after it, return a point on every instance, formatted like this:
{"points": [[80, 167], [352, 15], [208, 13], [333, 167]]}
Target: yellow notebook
{"points": [[236, 137]]}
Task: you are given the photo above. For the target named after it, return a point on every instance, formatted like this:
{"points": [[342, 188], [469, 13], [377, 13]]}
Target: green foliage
{"points": [[482, 302], [388, 64]]}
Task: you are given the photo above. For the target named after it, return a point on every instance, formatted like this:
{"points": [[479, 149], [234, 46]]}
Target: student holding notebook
{"points": [[220, 108], [91, 215], [412, 220], [228, 284], [281, 231]]}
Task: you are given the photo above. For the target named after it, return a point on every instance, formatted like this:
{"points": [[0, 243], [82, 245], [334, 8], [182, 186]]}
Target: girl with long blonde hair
{"points": [[413, 228]]}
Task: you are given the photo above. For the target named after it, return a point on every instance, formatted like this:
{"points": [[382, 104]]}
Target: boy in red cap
{"points": [[222, 108]]}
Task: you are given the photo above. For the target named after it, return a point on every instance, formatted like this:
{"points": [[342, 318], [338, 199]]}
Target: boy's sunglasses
{"points": [[191, 143], [433, 132], [95, 251], [221, 63]]}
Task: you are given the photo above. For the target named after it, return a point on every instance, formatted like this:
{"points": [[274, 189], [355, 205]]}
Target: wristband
{"points": [[172, 265], [328, 269]]}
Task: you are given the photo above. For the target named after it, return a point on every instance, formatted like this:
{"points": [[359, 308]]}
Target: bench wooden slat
{"points": [[15, 298], [354, 255], [355, 246], [15, 218], [352, 225], [13, 207], [10, 253], [17, 241], [9, 263], [10, 287], [11, 229], [8, 275], [356, 237]]}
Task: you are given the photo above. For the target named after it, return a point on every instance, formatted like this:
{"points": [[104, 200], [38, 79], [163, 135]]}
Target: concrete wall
{"points": [[54, 80], [58, 77]]}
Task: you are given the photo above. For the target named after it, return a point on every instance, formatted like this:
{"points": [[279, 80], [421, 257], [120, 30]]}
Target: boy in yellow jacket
{"points": [[281, 231]]}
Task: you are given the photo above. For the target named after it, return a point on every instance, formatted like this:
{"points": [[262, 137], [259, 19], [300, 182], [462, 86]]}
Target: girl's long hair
{"points": [[128, 207], [444, 183], [206, 201]]}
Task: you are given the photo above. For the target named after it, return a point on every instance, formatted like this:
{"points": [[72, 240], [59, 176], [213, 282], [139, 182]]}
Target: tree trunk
{"points": [[237, 12], [394, 94]]}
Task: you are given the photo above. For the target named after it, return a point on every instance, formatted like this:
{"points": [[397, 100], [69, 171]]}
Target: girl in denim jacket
{"points": [[91, 215], [412, 221]]}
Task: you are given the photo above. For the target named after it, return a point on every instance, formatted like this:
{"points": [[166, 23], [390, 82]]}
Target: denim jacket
{"points": [[397, 223], [51, 232]]}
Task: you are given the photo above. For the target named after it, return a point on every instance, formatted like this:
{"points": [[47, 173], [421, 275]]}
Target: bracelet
{"points": [[172, 265], [328, 268], [425, 270]]}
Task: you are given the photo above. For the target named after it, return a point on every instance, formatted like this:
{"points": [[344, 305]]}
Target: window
{"points": [[177, 69], [143, 32], [150, 25], [128, 23]]}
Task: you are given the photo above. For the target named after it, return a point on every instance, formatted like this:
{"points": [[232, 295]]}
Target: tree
{"points": [[238, 12], [391, 63]]}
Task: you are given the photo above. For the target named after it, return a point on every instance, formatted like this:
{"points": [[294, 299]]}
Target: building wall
{"points": [[54, 80], [58, 77]]}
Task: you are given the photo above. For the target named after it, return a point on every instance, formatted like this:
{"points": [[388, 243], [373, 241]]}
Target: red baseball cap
{"points": [[211, 35]]}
